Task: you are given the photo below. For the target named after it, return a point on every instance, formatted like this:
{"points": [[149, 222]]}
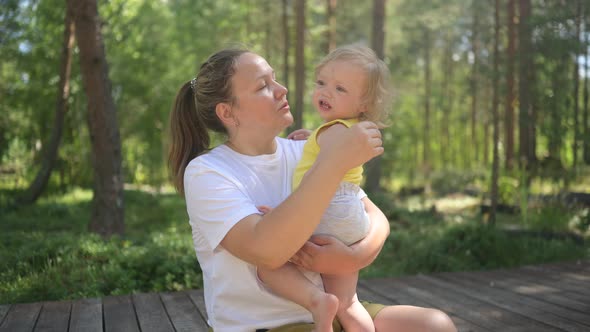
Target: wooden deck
{"points": [[549, 297]]}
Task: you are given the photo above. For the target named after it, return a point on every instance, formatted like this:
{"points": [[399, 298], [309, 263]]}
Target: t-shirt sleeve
{"points": [[361, 194], [215, 203]]}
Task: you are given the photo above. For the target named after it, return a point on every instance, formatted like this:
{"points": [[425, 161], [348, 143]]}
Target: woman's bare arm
{"points": [[270, 240]]}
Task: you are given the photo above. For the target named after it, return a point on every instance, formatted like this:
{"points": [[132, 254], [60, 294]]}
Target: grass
{"points": [[46, 252]]}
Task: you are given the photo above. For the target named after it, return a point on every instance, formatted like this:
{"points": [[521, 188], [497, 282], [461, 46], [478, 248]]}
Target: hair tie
{"points": [[193, 84]]}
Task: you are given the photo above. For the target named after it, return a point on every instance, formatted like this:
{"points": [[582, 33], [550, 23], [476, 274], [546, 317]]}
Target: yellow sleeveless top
{"points": [[310, 151]]}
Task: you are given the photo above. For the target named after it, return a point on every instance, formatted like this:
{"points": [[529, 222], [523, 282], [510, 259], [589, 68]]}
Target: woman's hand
{"points": [[346, 148], [299, 134]]}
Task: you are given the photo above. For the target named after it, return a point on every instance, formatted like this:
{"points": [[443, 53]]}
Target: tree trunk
{"points": [[373, 167], [585, 118], [107, 205], [286, 43], [447, 100], [426, 129], [474, 81], [268, 35], [495, 117], [576, 78], [510, 97], [331, 30], [299, 63], [63, 92], [525, 68]]}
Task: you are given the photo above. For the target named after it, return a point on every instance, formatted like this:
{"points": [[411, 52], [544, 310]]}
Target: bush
{"points": [[464, 247], [451, 181]]}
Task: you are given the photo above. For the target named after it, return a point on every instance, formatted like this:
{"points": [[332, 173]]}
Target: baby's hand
{"points": [[264, 209], [299, 134]]}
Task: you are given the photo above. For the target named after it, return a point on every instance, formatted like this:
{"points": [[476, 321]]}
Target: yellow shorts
{"points": [[372, 308]]}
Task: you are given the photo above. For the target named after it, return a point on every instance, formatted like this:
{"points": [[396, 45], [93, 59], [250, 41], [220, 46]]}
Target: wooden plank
{"points": [[54, 317], [151, 313], [3, 310], [544, 277], [21, 317], [572, 279], [196, 295], [119, 314], [505, 299], [86, 316], [491, 316], [525, 285], [548, 278], [183, 313], [376, 290], [495, 280]]}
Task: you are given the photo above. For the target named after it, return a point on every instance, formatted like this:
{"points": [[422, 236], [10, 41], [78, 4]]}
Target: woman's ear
{"points": [[226, 115]]}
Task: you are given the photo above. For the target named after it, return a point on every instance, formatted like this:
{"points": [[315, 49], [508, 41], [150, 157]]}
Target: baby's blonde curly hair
{"points": [[377, 96]]}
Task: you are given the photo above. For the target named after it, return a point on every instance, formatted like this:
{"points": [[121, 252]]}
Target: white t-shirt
{"points": [[221, 188]]}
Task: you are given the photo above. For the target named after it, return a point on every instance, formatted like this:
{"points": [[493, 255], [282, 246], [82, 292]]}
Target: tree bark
{"points": [[286, 43], [510, 97], [331, 30], [373, 167], [447, 100], [585, 117], [495, 117], [299, 63], [525, 114], [107, 204], [578, 23], [50, 152], [426, 160], [474, 81]]}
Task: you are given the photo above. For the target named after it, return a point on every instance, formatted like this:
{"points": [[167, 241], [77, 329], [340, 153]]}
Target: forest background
{"points": [[486, 163]]}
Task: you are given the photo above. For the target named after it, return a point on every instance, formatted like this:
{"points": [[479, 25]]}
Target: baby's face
{"points": [[339, 89]]}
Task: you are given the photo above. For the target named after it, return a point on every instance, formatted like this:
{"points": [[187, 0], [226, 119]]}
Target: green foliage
{"points": [[508, 190], [551, 217], [153, 47], [453, 180], [581, 222], [47, 254], [465, 247]]}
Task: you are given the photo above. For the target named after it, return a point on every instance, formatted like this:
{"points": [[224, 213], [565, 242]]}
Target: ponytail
{"points": [[189, 135], [194, 114]]}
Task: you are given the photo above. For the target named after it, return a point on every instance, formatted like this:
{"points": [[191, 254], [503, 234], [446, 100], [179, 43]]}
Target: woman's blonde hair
{"points": [[377, 96]]}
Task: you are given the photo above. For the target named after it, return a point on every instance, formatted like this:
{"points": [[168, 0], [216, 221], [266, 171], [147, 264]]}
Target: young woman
{"points": [[235, 93]]}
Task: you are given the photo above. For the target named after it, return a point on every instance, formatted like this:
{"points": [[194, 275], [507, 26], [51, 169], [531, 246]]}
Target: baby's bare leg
{"points": [[287, 281], [351, 313]]}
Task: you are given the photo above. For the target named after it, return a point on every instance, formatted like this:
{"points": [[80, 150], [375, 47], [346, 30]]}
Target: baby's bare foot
{"points": [[323, 310]]}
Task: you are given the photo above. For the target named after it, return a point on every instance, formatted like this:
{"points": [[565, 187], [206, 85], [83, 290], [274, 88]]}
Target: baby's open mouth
{"points": [[325, 105]]}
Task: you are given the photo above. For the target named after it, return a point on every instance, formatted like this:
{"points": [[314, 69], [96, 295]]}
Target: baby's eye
{"points": [[341, 89], [319, 82]]}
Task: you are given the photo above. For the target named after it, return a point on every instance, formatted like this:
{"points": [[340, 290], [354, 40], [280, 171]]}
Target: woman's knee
{"points": [[439, 321], [415, 319]]}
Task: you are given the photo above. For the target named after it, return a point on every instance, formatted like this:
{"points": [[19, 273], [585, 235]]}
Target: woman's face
{"points": [[260, 101]]}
